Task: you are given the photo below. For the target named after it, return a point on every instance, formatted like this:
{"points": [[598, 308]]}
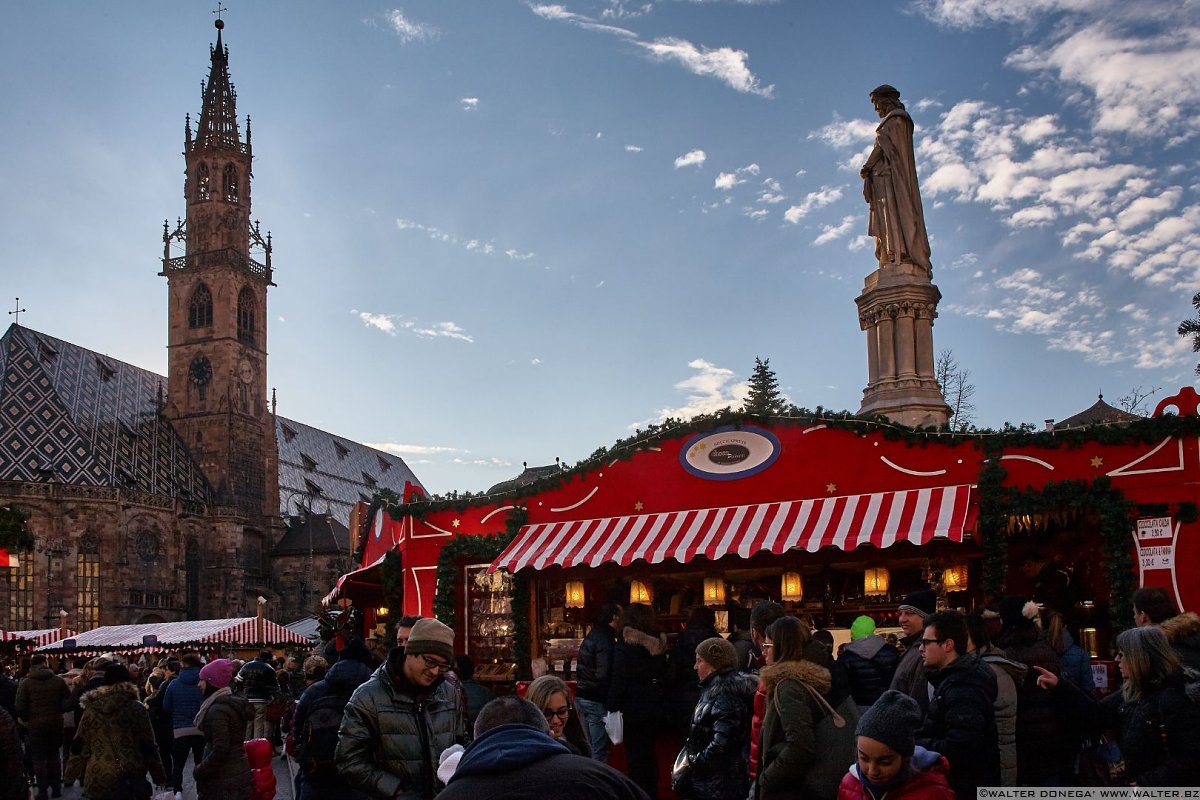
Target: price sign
{"points": [[1153, 528], [1157, 557]]}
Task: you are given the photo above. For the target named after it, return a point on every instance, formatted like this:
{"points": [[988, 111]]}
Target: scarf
{"points": [[208, 701]]}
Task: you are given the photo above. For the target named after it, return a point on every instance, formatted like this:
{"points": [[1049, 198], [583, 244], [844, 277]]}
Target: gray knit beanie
{"points": [[893, 720]]}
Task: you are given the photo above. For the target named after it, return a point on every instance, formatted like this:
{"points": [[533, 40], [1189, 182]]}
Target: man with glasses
{"points": [[910, 672], [397, 724], [960, 722]]}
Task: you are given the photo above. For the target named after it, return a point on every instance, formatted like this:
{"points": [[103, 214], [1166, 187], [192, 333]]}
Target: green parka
{"points": [[114, 738], [42, 697], [791, 765], [392, 733]]}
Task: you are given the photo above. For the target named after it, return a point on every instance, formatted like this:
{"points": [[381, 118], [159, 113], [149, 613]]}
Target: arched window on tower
{"points": [[87, 583], [229, 183], [245, 316], [200, 310], [202, 186], [191, 571]]}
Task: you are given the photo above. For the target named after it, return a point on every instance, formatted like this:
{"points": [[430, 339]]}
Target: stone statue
{"points": [[890, 186]]}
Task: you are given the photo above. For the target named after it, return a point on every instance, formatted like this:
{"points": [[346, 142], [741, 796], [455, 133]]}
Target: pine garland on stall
{"points": [[14, 535]]}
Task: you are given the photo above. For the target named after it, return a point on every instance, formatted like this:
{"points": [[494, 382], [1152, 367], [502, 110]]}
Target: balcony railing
{"points": [[216, 258]]}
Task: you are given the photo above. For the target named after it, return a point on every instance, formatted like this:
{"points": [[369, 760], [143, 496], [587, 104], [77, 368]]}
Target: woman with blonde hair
{"points": [[552, 697], [1156, 714]]}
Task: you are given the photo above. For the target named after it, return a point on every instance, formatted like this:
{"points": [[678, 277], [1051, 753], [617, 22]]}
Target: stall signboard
{"points": [[1153, 528]]}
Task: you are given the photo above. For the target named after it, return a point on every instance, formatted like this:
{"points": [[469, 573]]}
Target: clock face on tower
{"points": [[200, 371]]}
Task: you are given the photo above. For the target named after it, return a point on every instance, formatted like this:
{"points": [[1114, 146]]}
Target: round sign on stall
{"points": [[728, 453], [377, 522]]}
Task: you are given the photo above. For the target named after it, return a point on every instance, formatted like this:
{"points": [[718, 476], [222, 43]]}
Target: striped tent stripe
{"points": [[236, 631], [880, 519]]}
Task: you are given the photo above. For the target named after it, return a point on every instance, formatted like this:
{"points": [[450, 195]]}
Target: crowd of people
{"points": [[999, 697]]}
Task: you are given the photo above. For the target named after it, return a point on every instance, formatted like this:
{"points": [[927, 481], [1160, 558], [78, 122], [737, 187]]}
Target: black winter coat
{"points": [[718, 739], [256, 681], [961, 724], [1043, 753], [594, 663], [636, 690], [1159, 735], [870, 663]]}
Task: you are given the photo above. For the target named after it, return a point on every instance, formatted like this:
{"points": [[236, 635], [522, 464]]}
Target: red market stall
{"points": [[248, 634], [835, 515]]}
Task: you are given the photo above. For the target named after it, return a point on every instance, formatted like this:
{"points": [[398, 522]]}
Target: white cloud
{"points": [[725, 180], [723, 63], [1144, 209], [558, 13], [711, 389], [517, 256], [813, 200], [632, 148], [408, 30], [1033, 216], [470, 103], [536, 361], [383, 322], [471, 245], [693, 158], [396, 448], [830, 233], [972, 13], [438, 330], [845, 133]]}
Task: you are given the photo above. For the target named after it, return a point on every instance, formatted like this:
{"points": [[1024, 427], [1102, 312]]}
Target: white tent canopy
{"points": [[240, 632], [39, 637]]}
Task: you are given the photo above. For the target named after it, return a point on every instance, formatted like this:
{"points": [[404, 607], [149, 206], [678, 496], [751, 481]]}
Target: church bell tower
{"points": [[217, 314]]}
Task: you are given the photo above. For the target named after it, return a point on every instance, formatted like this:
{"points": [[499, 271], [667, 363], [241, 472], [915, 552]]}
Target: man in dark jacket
{"points": [[42, 698], [318, 716], [257, 682], [593, 676], [870, 663], [910, 672], [514, 757], [960, 722], [397, 724]]}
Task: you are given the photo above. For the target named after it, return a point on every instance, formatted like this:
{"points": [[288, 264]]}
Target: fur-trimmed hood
{"points": [[1181, 627], [109, 697], [655, 645], [804, 671]]}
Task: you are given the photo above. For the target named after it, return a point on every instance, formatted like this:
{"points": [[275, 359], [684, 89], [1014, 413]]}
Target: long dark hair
{"points": [[789, 636], [640, 616]]}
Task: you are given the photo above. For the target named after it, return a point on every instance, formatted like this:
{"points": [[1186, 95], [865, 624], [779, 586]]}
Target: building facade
{"points": [[185, 496]]}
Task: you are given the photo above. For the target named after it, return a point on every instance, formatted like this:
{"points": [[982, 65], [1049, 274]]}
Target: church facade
{"points": [[185, 496]]}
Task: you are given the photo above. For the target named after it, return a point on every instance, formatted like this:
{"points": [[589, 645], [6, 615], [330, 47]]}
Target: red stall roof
{"points": [[38, 637], [880, 519]]}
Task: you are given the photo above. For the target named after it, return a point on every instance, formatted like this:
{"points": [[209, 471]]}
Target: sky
{"points": [[509, 231]]}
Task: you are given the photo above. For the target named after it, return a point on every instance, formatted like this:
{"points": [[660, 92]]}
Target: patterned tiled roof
{"points": [[321, 471], [1100, 413], [88, 420], [95, 421]]}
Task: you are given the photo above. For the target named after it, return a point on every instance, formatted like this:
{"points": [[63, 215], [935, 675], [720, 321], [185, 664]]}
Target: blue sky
{"points": [[514, 231]]}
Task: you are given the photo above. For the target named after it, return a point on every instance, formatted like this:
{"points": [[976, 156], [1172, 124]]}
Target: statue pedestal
{"points": [[896, 310]]}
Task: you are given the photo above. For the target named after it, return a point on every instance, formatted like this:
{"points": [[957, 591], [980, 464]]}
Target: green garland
{"points": [[391, 576], [997, 504], [14, 534], [487, 547]]}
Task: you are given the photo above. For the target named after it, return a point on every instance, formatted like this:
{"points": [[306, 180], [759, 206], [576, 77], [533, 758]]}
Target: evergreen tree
{"points": [[764, 397], [1191, 327]]}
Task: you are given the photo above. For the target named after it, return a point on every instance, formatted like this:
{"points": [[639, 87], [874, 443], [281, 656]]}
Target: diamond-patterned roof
{"points": [[94, 421], [88, 420]]}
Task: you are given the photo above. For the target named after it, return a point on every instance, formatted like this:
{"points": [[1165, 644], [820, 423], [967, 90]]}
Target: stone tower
{"points": [[217, 315], [899, 300]]}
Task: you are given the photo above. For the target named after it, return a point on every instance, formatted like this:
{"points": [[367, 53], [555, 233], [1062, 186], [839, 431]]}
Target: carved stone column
{"points": [[896, 310]]}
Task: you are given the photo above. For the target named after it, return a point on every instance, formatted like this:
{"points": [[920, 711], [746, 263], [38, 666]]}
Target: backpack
{"points": [[318, 740]]}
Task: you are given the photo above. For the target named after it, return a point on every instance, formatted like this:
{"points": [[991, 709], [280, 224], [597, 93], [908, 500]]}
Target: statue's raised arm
{"points": [[890, 187]]}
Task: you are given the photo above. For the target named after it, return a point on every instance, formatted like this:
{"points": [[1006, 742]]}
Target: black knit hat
{"points": [[115, 673], [893, 720], [923, 602], [718, 653], [1017, 612]]}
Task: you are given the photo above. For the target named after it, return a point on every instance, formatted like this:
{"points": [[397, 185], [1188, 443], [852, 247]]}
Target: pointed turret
{"points": [[218, 128]]}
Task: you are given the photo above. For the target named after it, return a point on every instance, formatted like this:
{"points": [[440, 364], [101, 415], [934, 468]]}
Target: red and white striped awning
{"points": [[365, 583], [38, 637], [881, 519], [238, 631]]}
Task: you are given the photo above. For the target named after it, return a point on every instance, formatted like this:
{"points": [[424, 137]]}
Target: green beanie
{"points": [[861, 627]]}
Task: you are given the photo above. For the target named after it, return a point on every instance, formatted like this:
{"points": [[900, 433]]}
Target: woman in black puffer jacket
{"points": [[720, 730]]}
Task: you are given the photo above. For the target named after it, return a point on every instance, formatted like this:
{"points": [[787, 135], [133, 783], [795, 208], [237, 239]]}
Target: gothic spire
{"points": [[218, 127]]}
